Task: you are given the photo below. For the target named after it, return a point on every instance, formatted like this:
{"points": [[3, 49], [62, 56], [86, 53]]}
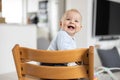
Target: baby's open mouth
{"points": [[71, 27]]}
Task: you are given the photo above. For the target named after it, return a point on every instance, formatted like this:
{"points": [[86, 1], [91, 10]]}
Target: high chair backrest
{"points": [[25, 68]]}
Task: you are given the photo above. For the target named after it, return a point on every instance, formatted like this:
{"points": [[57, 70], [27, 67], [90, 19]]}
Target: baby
{"points": [[70, 24]]}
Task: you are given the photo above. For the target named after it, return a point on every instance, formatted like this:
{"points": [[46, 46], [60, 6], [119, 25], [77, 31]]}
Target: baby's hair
{"points": [[71, 10]]}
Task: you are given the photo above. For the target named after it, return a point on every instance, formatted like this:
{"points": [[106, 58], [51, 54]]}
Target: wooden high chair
{"points": [[26, 70]]}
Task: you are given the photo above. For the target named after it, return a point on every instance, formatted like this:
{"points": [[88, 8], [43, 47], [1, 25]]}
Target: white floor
{"points": [[9, 76]]}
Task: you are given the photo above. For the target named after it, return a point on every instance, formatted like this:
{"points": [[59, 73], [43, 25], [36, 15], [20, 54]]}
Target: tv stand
{"points": [[108, 38]]}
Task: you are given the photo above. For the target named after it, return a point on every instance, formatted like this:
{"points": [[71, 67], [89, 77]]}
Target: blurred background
{"points": [[34, 23]]}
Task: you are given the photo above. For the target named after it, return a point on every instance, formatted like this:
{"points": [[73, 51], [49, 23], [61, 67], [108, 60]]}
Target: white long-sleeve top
{"points": [[62, 41]]}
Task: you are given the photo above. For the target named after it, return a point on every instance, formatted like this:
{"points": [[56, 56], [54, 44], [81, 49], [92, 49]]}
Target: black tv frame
{"points": [[101, 7]]}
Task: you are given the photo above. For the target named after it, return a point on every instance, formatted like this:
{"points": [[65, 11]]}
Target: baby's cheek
{"points": [[77, 29]]}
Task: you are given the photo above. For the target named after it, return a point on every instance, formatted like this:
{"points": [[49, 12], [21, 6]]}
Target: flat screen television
{"points": [[106, 18]]}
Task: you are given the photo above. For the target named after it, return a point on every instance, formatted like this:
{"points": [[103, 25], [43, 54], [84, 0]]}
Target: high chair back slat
{"points": [[53, 56], [26, 69], [55, 72]]}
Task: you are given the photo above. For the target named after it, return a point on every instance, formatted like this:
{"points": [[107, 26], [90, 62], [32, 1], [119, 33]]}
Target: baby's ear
{"points": [[79, 28], [60, 23]]}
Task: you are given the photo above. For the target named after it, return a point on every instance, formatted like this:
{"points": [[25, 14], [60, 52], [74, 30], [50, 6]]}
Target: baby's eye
{"points": [[76, 21], [67, 19]]}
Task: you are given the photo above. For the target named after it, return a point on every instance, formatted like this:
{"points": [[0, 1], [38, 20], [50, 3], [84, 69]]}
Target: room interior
{"points": [[37, 19]]}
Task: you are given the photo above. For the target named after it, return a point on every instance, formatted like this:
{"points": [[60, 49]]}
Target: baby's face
{"points": [[71, 23]]}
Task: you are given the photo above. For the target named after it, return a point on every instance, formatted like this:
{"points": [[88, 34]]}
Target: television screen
{"points": [[106, 18], [114, 18]]}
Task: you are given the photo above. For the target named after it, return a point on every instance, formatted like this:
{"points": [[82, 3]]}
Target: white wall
{"points": [[11, 34]]}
